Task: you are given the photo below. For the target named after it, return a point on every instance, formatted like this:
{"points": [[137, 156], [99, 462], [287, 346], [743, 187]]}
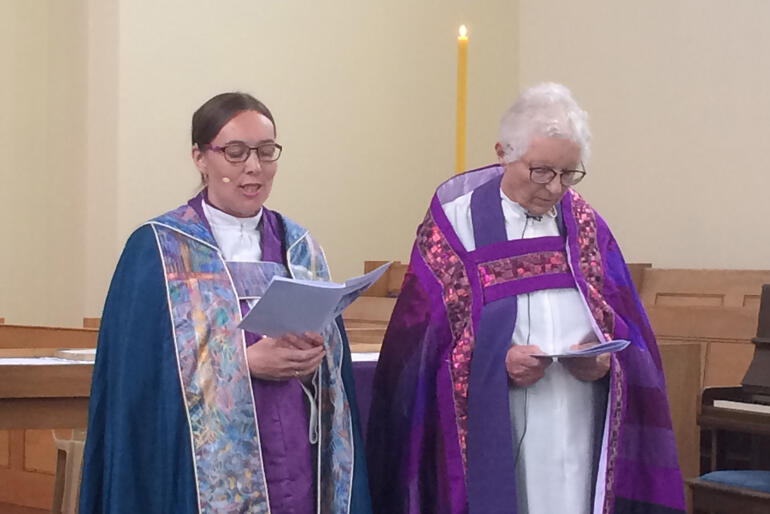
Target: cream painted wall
{"points": [[677, 96], [364, 99], [363, 94], [42, 142], [103, 243]]}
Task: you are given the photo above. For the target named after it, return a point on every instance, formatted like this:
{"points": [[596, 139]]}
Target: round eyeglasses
{"points": [[545, 174], [238, 151]]}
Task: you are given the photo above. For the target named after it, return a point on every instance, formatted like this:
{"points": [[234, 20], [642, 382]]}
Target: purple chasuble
{"points": [[437, 362], [282, 416]]}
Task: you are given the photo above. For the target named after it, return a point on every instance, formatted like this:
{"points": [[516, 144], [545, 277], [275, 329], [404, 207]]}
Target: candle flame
{"points": [[463, 31]]}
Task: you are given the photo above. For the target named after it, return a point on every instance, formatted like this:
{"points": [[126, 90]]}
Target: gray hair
{"points": [[545, 110]]}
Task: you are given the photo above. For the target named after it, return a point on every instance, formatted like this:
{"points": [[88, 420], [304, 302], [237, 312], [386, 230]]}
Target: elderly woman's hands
{"points": [[290, 356], [524, 369], [587, 369]]}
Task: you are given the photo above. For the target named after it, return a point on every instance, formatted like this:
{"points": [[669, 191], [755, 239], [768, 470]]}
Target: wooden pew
{"points": [[389, 284], [367, 318], [33, 400]]}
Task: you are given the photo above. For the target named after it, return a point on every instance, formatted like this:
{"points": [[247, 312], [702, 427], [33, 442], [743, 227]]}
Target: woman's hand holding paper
{"points": [[523, 368], [587, 369], [289, 356]]}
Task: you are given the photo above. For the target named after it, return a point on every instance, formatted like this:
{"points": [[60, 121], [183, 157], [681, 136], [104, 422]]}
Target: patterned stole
{"points": [[204, 293], [216, 384], [505, 269]]}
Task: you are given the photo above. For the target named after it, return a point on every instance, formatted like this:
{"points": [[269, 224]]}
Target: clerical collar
{"points": [[523, 212], [222, 219]]}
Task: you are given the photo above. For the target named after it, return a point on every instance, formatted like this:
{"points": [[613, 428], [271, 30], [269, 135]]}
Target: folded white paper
{"points": [[615, 345], [291, 305]]}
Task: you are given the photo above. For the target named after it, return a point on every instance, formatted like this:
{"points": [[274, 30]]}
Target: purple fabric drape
{"points": [[418, 423]]}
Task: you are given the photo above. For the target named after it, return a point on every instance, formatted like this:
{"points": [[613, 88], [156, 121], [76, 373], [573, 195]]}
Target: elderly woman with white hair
{"points": [[511, 266]]}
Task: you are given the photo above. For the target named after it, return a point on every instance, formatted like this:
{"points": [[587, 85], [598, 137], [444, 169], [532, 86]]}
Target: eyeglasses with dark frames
{"points": [[545, 174], [238, 151]]}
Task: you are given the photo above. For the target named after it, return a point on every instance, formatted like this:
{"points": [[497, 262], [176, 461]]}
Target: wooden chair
{"points": [[69, 461]]}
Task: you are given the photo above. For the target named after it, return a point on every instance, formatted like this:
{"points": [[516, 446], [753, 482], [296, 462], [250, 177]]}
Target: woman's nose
{"points": [[555, 186], [252, 163]]}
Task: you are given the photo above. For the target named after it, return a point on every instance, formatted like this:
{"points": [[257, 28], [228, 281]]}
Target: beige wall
{"points": [[364, 99], [677, 96], [363, 94], [42, 137], [103, 243]]}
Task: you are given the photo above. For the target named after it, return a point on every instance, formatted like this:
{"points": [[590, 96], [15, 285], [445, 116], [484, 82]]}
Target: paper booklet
{"points": [[291, 305], [615, 345]]}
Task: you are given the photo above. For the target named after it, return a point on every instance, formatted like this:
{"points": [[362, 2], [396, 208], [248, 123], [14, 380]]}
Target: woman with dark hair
{"points": [[188, 413]]}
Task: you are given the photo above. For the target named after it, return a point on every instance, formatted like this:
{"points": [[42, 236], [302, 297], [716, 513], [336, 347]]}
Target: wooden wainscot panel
{"points": [[5, 449], [681, 367], [26, 489], [723, 335], [726, 363], [703, 287], [737, 324], [19, 486], [39, 451]]}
